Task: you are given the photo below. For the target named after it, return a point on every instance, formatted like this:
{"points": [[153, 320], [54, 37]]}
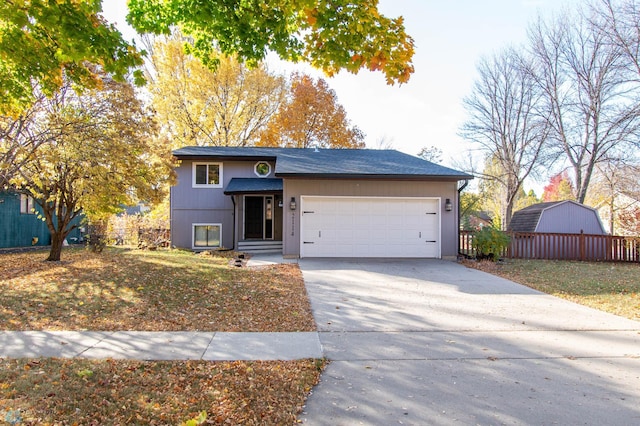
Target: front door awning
{"points": [[253, 186]]}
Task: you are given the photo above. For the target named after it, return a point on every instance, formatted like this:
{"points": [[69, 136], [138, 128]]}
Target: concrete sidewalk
{"points": [[144, 345]]}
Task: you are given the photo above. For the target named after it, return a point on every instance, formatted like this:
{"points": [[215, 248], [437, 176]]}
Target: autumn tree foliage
{"points": [[20, 137], [97, 152], [198, 106], [492, 192], [46, 42], [615, 190], [629, 221], [311, 116], [559, 188], [329, 34]]}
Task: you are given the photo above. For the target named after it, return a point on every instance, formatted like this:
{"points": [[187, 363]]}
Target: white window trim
{"points": [[29, 204], [193, 175], [193, 236], [255, 169]]}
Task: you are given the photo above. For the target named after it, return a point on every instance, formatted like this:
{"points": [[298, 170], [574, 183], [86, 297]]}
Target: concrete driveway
{"points": [[419, 342]]}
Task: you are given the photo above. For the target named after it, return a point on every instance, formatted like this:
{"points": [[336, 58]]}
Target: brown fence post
{"points": [[581, 245]]}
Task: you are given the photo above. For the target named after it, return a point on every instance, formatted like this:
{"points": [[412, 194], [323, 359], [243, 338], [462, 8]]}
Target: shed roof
{"points": [[334, 163], [526, 220], [253, 185]]}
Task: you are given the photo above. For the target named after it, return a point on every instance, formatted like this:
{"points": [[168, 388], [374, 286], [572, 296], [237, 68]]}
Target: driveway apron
{"points": [[429, 342]]}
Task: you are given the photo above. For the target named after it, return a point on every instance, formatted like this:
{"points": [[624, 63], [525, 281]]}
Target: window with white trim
{"points": [[207, 175], [207, 235], [26, 204], [262, 169]]}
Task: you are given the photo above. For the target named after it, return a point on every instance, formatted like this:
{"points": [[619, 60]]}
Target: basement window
{"points": [[207, 235]]}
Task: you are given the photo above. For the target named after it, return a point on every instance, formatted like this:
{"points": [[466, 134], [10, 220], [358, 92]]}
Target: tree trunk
{"points": [[57, 240], [611, 215]]}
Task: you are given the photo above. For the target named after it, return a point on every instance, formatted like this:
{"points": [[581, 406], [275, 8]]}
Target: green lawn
{"points": [[610, 287]]}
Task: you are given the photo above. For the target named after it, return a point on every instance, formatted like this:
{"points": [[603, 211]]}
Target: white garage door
{"points": [[369, 227]]}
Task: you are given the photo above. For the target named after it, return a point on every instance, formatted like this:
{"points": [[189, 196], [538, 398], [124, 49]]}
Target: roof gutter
{"points": [[353, 176], [215, 157]]}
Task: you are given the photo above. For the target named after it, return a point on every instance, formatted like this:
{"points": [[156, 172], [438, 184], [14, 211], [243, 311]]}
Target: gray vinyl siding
{"points": [[570, 218], [370, 188], [204, 205]]}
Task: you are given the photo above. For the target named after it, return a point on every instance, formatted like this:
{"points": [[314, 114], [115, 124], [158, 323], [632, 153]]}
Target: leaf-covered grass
{"points": [[610, 287], [109, 392], [152, 291], [148, 291]]}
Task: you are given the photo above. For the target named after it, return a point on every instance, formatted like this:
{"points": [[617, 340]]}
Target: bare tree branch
{"points": [[506, 124], [590, 96]]}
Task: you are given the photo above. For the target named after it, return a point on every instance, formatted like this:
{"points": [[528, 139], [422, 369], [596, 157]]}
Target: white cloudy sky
{"points": [[450, 37]]}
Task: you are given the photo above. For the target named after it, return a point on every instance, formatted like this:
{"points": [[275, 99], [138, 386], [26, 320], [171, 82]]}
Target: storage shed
{"points": [[557, 230], [563, 217]]}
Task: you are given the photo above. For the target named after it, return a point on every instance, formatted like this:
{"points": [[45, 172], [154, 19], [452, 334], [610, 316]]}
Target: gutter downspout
{"points": [[233, 238], [171, 218], [464, 185]]}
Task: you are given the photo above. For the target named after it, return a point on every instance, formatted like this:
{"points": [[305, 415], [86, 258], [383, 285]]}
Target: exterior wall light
{"points": [[447, 205], [292, 203]]}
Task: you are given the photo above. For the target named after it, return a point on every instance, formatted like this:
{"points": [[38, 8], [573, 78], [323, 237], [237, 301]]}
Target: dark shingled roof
{"points": [[526, 220], [253, 185], [224, 152], [333, 163]]}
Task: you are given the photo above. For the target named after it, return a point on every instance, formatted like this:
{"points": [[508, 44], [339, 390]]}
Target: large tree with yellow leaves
{"points": [[199, 106], [97, 151]]}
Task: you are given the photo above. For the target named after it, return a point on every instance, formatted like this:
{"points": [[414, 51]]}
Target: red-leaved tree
{"points": [[559, 188]]}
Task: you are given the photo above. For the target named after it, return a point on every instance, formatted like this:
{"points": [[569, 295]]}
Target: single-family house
{"points": [[476, 220], [315, 202], [21, 223]]}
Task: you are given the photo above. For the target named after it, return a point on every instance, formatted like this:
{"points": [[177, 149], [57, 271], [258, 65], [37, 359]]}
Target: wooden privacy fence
{"points": [[551, 246]]}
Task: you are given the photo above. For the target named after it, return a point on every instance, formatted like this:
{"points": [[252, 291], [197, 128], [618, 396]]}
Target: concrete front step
{"points": [[260, 246]]}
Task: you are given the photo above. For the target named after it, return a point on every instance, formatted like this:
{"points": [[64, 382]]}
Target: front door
{"points": [[258, 217]]}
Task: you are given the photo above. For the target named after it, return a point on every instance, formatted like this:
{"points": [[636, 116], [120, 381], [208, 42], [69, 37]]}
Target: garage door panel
{"points": [[396, 208], [407, 235], [345, 224], [369, 227], [398, 225]]}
